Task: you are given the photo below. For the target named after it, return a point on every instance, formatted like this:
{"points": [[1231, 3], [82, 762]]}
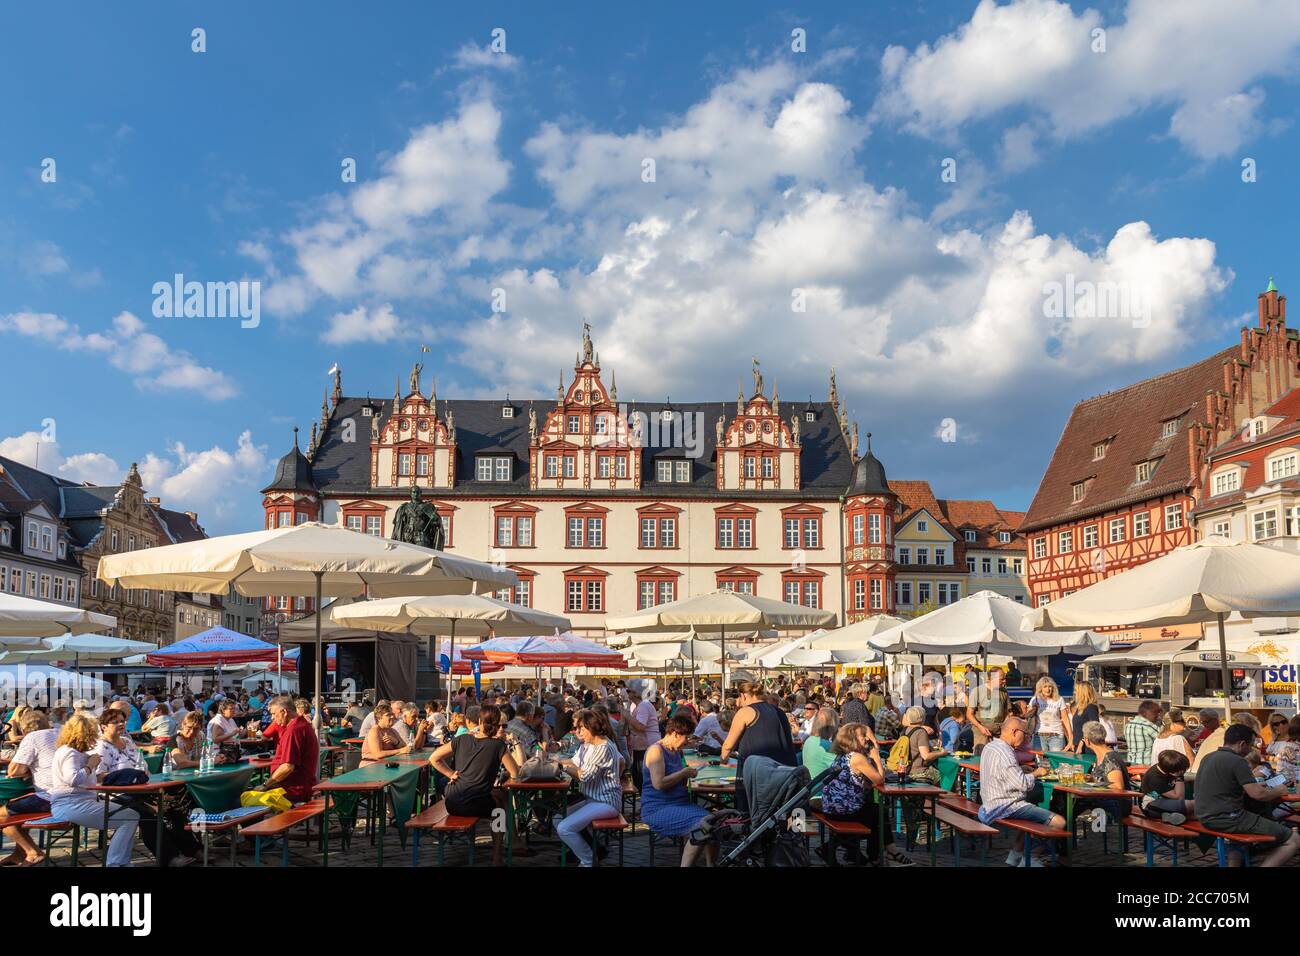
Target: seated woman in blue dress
{"points": [[666, 805]]}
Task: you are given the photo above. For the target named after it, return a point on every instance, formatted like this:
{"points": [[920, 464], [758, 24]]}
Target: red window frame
{"points": [[659, 513], [514, 511], [734, 513], [591, 516], [586, 577], [658, 577]]}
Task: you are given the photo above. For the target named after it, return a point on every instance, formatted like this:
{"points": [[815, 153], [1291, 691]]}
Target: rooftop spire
{"points": [[1271, 286], [295, 436]]}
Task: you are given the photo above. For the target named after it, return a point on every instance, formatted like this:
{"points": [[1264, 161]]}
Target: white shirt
{"points": [[224, 724], [71, 778], [36, 750], [367, 724], [709, 730], [111, 758]]}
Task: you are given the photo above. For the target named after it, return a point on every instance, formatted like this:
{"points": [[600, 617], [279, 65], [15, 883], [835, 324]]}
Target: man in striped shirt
{"points": [[1004, 785]]}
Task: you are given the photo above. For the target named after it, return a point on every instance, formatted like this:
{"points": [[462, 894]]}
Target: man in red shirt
{"points": [[297, 752]]}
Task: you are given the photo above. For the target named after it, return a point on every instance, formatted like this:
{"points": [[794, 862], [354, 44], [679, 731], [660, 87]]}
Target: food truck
{"points": [[1182, 674]]}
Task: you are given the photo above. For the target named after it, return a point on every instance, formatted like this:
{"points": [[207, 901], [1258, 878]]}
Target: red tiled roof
{"points": [[957, 514], [1131, 418]]}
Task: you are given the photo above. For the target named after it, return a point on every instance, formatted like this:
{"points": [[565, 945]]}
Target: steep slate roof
{"points": [[177, 525], [1131, 417], [343, 468]]}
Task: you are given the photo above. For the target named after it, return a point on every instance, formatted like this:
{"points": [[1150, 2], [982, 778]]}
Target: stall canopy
{"points": [[1199, 582], [1202, 653], [83, 649], [560, 650], [213, 648]]}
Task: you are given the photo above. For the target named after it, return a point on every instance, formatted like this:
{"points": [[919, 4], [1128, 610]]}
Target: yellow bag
{"points": [[275, 799]]}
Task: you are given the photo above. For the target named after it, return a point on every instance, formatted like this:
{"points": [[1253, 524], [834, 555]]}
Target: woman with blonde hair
{"points": [[72, 800], [1055, 730], [1084, 711]]}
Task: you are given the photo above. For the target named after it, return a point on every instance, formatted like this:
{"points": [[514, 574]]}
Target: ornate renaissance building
{"points": [[603, 507], [1132, 466]]}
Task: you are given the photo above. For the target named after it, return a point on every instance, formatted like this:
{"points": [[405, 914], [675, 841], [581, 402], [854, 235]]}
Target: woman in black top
{"points": [[759, 728], [1083, 711], [476, 760]]}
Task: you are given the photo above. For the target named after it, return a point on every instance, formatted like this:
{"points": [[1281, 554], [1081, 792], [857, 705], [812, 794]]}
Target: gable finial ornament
{"points": [[776, 399], [720, 426], [613, 387], [433, 394], [835, 392], [451, 426], [559, 392], [311, 448], [758, 377], [740, 399], [415, 377], [853, 444], [532, 425], [587, 348], [794, 428], [324, 409], [338, 385], [397, 394]]}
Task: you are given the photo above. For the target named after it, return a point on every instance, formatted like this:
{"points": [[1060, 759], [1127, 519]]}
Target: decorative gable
{"points": [[757, 450], [414, 446]]}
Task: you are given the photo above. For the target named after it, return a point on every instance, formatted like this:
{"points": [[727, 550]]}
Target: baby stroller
{"points": [[779, 803]]}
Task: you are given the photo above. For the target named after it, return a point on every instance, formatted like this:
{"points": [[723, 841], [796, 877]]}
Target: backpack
{"points": [[900, 755]]}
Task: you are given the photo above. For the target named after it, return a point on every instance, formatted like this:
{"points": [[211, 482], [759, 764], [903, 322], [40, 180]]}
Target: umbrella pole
{"points": [[948, 684], [320, 696], [451, 663], [1227, 674], [694, 691], [724, 663]]}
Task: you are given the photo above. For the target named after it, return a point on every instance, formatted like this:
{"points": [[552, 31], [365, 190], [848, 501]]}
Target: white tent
{"points": [[982, 623], [23, 683], [82, 649]]}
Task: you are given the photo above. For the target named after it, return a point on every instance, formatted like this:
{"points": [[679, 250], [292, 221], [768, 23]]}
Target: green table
{"points": [[949, 767], [1055, 759], [373, 779]]}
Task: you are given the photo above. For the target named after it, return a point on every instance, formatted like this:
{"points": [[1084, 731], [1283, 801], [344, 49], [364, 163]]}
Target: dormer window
{"points": [[4, 537], [810, 416], [367, 411], [1169, 429], [507, 411], [1099, 450], [1077, 490], [493, 468], [1257, 427], [666, 415], [673, 470], [1146, 469], [1004, 537], [63, 547], [969, 534]]}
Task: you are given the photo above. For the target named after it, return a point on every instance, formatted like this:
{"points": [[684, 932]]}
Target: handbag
{"points": [[541, 766], [126, 777]]}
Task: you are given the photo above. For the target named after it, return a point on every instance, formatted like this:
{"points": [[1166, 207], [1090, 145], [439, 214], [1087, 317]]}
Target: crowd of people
{"points": [[610, 734]]}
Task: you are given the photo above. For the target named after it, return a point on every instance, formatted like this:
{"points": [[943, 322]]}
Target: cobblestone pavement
{"points": [[545, 852]]}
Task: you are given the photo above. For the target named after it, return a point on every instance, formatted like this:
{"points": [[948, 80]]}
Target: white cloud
{"points": [[214, 480], [33, 450], [389, 235], [471, 57], [1198, 58], [380, 324], [44, 258], [126, 345]]}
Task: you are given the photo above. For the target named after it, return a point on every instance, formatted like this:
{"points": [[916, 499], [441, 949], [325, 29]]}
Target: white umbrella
{"points": [[317, 559], [442, 615], [84, 648], [856, 636], [18, 680], [720, 612], [22, 617], [1200, 582], [981, 623]]}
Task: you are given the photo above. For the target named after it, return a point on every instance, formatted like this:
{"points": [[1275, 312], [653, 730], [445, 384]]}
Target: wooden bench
{"points": [[606, 825], [630, 796], [438, 821], [1035, 831], [962, 825], [1221, 840], [281, 824], [231, 826], [43, 824], [1157, 831], [953, 801], [851, 830]]}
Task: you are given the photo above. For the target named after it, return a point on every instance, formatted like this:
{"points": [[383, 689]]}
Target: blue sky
{"points": [[776, 171]]}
